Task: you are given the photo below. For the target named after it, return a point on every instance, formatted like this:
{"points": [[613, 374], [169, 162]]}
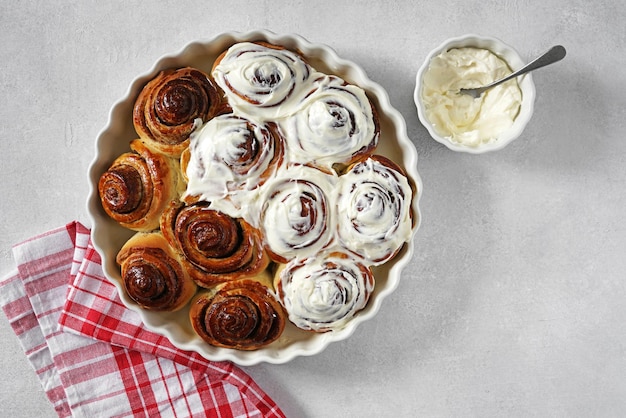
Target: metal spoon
{"points": [[554, 54]]}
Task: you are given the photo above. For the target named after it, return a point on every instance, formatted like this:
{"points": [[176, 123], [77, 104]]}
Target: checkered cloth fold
{"points": [[94, 357]]}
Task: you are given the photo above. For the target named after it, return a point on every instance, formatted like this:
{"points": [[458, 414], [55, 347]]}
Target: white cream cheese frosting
{"points": [[296, 211], [373, 210], [460, 117], [230, 157], [334, 124], [324, 293], [262, 82]]}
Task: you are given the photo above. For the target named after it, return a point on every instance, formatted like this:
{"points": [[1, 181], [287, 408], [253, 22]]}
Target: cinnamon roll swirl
{"points": [[323, 293], [374, 209], [152, 273], [138, 186], [243, 314], [261, 79], [216, 247], [296, 214], [229, 158], [335, 124], [171, 105]]}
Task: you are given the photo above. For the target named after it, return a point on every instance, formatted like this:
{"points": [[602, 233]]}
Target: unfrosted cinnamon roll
{"points": [[243, 314], [171, 104], [374, 209], [216, 247], [296, 213], [152, 273], [335, 124], [324, 292], [138, 186], [229, 158], [260, 79]]}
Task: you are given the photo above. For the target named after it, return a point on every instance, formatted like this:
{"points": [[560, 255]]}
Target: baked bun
{"points": [[229, 158], [153, 274], [335, 125], [324, 292], [138, 185], [296, 216], [171, 105], [242, 314], [261, 80], [216, 247], [374, 209]]}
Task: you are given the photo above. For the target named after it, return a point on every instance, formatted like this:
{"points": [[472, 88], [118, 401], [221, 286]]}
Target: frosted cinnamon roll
{"points": [[260, 79], [335, 124], [229, 158], [324, 292], [216, 247], [296, 213], [138, 186], [171, 105], [243, 314], [152, 273], [374, 209]]}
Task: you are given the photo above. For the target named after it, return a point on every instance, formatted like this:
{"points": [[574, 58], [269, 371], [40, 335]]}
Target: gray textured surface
{"points": [[515, 302]]}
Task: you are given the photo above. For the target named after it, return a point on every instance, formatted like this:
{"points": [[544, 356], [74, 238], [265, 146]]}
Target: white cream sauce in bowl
{"points": [[460, 122]]}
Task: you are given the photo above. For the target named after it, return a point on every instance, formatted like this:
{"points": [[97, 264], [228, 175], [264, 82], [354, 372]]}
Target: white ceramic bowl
{"points": [[515, 62], [108, 236]]}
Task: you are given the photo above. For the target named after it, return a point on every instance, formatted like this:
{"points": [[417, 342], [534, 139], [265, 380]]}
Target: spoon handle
{"points": [[554, 54]]}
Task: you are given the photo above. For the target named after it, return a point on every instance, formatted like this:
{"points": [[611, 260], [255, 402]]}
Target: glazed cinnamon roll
{"points": [[138, 186], [374, 209], [216, 247], [243, 314], [152, 273], [260, 79], [296, 215], [335, 124], [324, 292], [171, 105], [229, 158]]}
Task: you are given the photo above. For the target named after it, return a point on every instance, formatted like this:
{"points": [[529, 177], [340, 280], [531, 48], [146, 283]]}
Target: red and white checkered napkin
{"points": [[93, 355]]}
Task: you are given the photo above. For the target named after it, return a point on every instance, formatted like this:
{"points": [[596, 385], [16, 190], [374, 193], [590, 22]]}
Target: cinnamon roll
{"points": [[229, 158], [216, 247], [138, 186], [152, 273], [324, 292], [260, 79], [243, 314], [374, 209], [335, 124], [171, 105], [296, 215]]}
